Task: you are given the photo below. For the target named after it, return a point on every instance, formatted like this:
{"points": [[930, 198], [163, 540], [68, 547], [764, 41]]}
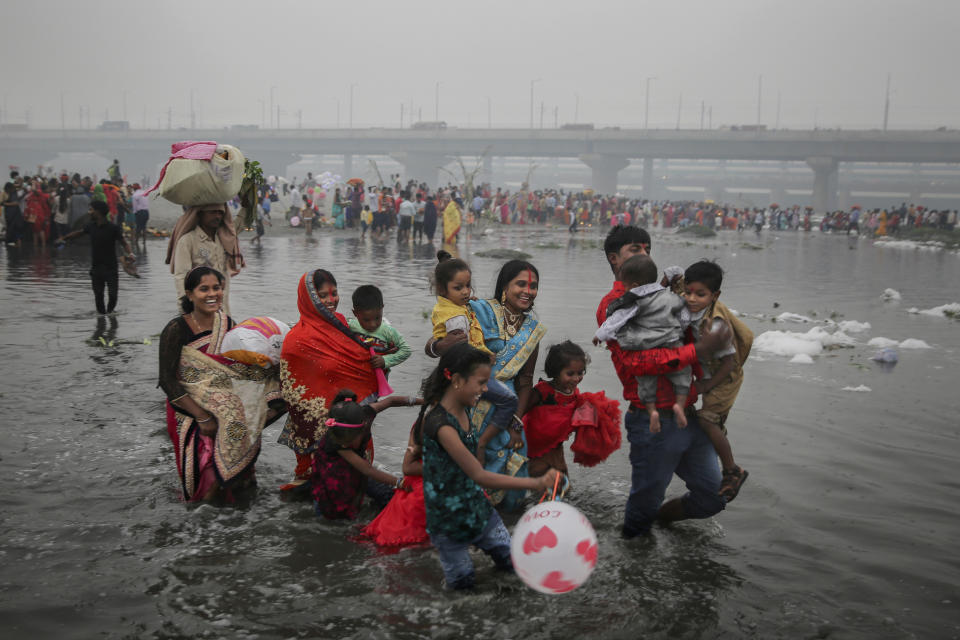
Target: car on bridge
{"points": [[114, 125], [429, 126]]}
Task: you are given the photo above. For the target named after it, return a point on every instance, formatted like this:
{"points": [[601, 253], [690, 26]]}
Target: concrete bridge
{"points": [[605, 151]]}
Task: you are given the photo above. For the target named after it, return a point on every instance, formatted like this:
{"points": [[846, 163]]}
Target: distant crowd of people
{"points": [[415, 206], [884, 222], [45, 208]]}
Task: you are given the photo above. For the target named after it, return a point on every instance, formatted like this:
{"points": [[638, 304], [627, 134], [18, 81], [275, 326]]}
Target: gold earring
{"points": [[503, 297]]}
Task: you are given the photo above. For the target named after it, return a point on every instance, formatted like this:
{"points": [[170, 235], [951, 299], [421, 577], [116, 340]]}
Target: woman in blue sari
{"points": [[513, 334]]}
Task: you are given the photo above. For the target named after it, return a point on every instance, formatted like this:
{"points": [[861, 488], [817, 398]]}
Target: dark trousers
{"points": [[100, 277]]}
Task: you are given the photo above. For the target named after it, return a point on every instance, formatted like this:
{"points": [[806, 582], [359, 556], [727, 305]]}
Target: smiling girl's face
{"points": [[473, 386]]}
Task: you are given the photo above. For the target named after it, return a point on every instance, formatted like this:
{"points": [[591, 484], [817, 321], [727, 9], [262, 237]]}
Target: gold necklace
{"points": [[512, 321], [197, 322]]}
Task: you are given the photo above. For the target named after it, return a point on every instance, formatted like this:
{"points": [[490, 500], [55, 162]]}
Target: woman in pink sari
{"points": [[217, 407]]}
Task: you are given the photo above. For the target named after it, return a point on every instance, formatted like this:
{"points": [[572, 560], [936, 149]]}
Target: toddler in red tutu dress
{"points": [[557, 408]]}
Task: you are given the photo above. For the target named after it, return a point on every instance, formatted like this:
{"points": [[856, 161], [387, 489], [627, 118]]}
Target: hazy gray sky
{"points": [[826, 59]]}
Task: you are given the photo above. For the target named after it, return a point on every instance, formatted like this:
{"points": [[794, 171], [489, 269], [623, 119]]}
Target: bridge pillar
{"points": [[604, 170], [275, 163], [347, 166], [824, 183], [648, 181], [422, 167], [487, 173]]}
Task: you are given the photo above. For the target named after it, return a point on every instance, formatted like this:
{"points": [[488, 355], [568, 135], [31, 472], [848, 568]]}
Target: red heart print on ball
{"points": [[554, 581], [536, 542], [588, 551]]}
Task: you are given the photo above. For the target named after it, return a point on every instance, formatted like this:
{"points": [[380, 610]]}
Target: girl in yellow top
{"points": [[452, 279]]}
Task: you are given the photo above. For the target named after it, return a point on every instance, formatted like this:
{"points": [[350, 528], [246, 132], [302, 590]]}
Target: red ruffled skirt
{"points": [[403, 522], [594, 418]]}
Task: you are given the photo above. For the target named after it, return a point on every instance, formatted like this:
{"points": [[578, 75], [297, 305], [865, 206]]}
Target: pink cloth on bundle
{"points": [[187, 150]]}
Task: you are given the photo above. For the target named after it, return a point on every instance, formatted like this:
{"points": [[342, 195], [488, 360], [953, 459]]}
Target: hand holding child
{"points": [[377, 362]]}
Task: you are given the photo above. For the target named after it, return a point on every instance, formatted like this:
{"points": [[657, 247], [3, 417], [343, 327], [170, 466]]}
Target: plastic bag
{"points": [[255, 341]]}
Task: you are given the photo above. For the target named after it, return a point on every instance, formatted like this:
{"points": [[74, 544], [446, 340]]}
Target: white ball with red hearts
{"points": [[554, 548]]}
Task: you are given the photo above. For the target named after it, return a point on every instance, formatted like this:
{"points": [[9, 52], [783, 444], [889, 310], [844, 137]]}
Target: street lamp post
{"points": [[272, 89], [646, 110], [352, 85], [532, 82], [436, 102]]}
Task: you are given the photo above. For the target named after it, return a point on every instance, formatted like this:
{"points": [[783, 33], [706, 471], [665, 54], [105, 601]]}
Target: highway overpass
{"points": [[606, 151]]}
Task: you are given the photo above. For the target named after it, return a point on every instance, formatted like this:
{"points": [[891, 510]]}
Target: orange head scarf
{"points": [[320, 356]]}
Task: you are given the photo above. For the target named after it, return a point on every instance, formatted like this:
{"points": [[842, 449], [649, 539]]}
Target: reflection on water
{"points": [[844, 529]]}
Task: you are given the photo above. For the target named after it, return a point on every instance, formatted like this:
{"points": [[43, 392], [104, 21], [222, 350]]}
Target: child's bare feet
{"points": [[654, 421], [680, 415]]}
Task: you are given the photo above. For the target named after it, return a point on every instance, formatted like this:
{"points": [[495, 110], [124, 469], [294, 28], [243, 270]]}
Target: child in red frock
{"points": [[557, 408], [403, 522]]}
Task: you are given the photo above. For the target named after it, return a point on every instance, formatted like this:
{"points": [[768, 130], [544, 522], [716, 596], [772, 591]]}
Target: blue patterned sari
{"points": [[512, 353]]}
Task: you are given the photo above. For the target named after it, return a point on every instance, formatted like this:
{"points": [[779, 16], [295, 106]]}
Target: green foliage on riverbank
{"points": [[503, 254], [698, 231]]}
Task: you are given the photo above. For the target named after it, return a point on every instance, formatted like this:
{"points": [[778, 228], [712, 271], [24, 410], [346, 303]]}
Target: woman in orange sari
{"points": [[320, 356]]}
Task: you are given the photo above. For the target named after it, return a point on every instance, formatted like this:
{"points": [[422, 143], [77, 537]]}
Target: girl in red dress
{"points": [[557, 409]]}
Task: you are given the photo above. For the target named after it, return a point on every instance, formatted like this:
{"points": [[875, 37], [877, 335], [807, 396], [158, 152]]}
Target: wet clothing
{"points": [[337, 487], [404, 520], [655, 457], [320, 356], [103, 263], [236, 394], [493, 540], [515, 358], [456, 506]]}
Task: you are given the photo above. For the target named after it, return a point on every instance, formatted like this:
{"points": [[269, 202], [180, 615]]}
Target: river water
{"points": [[846, 528]]}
